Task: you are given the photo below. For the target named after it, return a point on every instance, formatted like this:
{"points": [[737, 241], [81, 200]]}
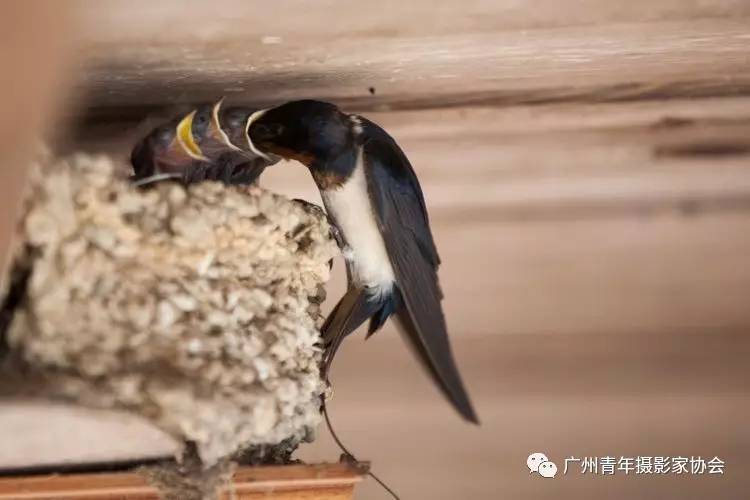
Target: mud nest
{"points": [[197, 308]]}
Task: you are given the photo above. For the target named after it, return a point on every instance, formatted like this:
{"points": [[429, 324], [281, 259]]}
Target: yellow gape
{"points": [[185, 138]]}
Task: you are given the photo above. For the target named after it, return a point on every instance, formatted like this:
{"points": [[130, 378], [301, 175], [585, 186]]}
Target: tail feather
{"points": [[423, 329], [390, 304], [438, 362]]}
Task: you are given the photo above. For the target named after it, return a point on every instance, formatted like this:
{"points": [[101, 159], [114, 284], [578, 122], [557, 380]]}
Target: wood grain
{"points": [[292, 482], [142, 56]]}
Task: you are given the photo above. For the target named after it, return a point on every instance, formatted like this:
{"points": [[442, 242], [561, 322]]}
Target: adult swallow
{"points": [[199, 147], [374, 199]]}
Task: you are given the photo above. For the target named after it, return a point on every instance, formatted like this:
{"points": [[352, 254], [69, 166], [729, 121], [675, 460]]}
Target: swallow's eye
{"points": [[165, 134], [267, 131]]}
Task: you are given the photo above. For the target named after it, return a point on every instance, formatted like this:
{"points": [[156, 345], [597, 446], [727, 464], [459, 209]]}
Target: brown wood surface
{"points": [[298, 482], [35, 53], [414, 54]]}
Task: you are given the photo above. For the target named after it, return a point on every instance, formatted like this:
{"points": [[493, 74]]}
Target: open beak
{"points": [[166, 153], [185, 139], [216, 153], [214, 128], [250, 144]]}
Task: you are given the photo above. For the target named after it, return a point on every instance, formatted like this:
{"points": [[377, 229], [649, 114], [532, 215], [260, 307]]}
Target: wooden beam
{"points": [[308, 482], [417, 55]]}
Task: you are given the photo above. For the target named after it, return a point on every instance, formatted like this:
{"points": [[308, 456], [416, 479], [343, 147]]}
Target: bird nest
{"points": [[197, 308]]}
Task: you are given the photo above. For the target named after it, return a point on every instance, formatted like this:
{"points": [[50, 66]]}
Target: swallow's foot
{"points": [[350, 460], [310, 207], [336, 234], [328, 392]]}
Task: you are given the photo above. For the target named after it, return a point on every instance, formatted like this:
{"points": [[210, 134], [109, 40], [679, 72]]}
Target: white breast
{"points": [[350, 208]]}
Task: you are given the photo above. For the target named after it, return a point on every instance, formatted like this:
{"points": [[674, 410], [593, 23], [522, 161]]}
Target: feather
{"points": [[351, 311], [404, 224], [390, 305]]}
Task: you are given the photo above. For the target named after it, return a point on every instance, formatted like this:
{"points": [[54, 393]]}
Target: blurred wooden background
{"points": [[587, 168], [36, 53]]}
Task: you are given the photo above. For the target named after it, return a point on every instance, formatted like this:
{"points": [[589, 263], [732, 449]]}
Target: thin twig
{"points": [[348, 454]]}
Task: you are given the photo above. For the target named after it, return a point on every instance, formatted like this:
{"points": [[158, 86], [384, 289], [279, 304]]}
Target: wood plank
{"points": [[309, 482], [667, 394], [150, 56], [139, 20], [43, 433]]}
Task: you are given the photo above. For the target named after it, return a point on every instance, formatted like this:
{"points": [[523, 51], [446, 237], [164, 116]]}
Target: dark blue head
{"points": [[308, 131]]}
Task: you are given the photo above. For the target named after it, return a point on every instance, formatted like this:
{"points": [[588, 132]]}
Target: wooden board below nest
{"points": [[311, 482], [52, 435]]}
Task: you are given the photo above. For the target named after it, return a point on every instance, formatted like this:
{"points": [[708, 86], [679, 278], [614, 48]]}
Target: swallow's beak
{"points": [[253, 117], [199, 150], [166, 152], [214, 128], [185, 141]]}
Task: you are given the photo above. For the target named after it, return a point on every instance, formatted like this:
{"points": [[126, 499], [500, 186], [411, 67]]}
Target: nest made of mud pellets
{"points": [[197, 308]]}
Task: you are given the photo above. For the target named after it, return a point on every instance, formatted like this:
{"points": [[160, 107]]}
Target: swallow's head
{"points": [[307, 131], [149, 154], [213, 136], [201, 123], [233, 121], [206, 144], [168, 149]]}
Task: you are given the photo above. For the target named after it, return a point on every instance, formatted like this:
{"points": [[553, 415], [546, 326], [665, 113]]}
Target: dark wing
{"points": [[402, 217], [396, 166]]}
